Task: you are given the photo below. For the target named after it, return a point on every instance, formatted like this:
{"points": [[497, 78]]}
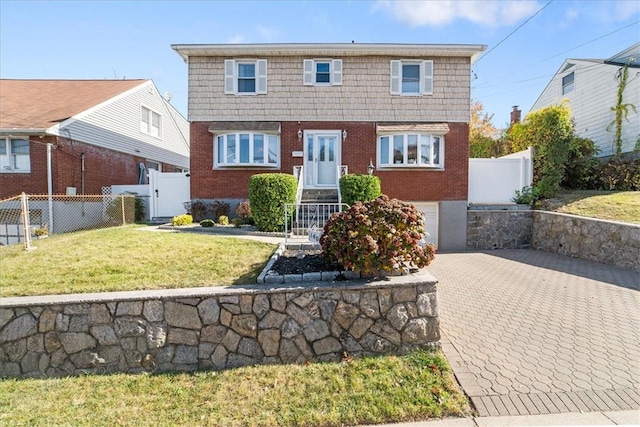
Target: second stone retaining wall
{"points": [[215, 328]]}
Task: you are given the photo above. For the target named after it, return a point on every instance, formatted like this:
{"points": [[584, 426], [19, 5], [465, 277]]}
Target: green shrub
{"points": [[237, 222], [620, 174], [268, 194], [359, 188], [580, 171], [378, 235], [185, 219], [207, 223], [223, 220], [528, 196]]}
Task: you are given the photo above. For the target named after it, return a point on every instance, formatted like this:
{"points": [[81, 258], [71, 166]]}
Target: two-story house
{"points": [[335, 108], [77, 136], [591, 87]]}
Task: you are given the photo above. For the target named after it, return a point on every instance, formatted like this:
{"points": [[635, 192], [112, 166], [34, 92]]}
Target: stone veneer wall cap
{"points": [[423, 276]]}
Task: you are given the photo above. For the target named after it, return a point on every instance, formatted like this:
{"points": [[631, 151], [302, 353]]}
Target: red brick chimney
{"points": [[516, 114]]}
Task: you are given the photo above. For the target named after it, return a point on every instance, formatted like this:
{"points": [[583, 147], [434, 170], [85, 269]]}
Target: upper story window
{"points": [[567, 83], [247, 149], [411, 150], [322, 72], [150, 122], [14, 155], [245, 77], [410, 77]]}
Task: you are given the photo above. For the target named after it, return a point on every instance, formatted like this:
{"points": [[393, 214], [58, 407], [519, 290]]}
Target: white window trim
{"points": [[426, 77], [10, 168], [417, 165], [217, 164], [151, 112], [231, 76], [309, 70]]}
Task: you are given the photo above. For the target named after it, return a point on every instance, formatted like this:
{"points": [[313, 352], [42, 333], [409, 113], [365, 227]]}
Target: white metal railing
{"points": [[308, 219]]}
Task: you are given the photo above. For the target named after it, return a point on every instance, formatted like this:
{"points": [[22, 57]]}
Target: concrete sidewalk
{"points": [[623, 418]]}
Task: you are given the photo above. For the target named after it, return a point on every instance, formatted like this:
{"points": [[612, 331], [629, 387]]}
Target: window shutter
{"points": [[261, 76], [307, 78], [229, 76], [427, 73], [336, 67], [396, 75]]}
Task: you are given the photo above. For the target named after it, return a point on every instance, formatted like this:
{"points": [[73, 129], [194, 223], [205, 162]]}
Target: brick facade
{"points": [[357, 150], [103, 167]]}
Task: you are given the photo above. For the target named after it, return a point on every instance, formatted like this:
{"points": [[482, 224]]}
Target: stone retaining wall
{"points": [[215, 328], [608, 242], [499, 229]]}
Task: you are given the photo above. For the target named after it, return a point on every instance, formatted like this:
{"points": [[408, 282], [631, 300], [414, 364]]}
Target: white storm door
{"points": [[322, 152]]}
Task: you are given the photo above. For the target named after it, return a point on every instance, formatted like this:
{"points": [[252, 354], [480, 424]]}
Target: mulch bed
{"points": [[294, 262]]}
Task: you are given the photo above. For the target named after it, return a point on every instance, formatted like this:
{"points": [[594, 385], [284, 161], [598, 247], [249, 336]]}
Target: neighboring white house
{"points": [[591, 87]]}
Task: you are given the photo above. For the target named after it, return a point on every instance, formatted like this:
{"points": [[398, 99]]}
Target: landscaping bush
{"points": [[237, 222], [243, 210], [268, 194], [223, 220], [198, 210], [207, 223], [359, 188], [580, 170], [620, 174], [378, 235], [528, 196], [185, 219], [219, 208]]}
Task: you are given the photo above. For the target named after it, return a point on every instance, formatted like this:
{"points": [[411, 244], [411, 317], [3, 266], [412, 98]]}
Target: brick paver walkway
{"points": [[529, 332]]}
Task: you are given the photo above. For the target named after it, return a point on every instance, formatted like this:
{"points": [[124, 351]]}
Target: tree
{"points": [[621, 109], [482, 133], [550, 131]]}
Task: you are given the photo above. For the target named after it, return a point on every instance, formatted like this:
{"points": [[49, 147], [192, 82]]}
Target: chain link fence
{"points": [[27, 217]]}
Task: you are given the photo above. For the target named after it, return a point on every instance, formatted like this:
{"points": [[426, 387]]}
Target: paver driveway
{"points": [[529, 332]]}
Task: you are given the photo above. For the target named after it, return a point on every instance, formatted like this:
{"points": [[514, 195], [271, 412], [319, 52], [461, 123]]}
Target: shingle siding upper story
{"points": [[363, 96]]}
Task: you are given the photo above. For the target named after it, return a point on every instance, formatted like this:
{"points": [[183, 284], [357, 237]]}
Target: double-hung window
{"points": [[245, 77], [567, 83], [247, 149], [14, 155], [410, 77], [322, 72], [410, 150], [150, 122]]}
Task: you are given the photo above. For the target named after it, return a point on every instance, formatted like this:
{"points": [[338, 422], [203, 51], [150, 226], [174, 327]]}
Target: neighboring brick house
{"points": [[329, 107], [101, 133]]}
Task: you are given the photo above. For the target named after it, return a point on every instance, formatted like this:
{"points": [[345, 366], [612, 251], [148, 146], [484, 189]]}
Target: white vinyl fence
{"points": [[495, 180]]}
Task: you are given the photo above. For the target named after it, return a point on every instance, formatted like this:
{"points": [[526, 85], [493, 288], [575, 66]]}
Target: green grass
{"points": [[417, 386], [129, 258], [615, 206]]}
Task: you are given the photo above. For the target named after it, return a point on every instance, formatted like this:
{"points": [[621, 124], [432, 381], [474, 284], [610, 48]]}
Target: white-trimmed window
{"points": [[245, 77], [247, 149], [14, 155], [410, 150], [322, 72], [410, 77], [567, 83], [150, 122]]}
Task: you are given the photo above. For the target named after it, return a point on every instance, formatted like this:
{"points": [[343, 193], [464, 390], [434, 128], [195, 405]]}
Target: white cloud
{"points": [[625, 9], [491, 13], [570, 16]]}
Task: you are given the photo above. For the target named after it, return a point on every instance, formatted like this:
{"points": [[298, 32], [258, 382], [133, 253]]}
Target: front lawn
{"points": [[128, 258], [621, 206], [417, 386]]}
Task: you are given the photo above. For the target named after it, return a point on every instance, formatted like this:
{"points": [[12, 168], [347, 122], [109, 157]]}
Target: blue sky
{"points": [[132, 39]]}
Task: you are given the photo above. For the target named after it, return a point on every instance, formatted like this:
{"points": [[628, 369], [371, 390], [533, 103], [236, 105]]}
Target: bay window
{"points": [[247, 149], [410, 150]]}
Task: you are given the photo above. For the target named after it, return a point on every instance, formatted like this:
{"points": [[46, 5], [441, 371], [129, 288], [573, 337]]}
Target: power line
{"points": [[512, 32]]}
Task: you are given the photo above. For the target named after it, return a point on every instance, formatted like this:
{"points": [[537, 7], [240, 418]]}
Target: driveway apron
{"points": [[529, 332]]}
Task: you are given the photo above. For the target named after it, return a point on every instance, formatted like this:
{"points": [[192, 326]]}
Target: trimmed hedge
{"points": [[268, 193], [359, 188]]}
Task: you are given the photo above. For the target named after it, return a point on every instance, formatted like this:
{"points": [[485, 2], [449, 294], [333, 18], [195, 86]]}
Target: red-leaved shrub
{"points": [[376, 236]]}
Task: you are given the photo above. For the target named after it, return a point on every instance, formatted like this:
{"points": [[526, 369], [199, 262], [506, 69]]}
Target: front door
{"points": [[321, 159]]}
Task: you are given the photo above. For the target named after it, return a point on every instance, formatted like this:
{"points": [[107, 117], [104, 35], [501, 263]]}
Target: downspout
{"points": [[82, 172], [50, 186]]}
